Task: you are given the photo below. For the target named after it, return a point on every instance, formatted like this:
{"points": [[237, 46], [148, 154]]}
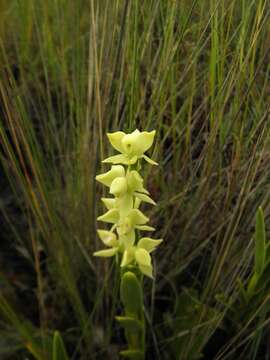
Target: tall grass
{"points": [[197, 72]]}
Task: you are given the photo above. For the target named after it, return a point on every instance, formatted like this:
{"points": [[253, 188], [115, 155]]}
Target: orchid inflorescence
{"points": [[126, 185]]}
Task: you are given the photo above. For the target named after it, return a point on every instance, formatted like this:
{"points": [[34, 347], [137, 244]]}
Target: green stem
{"points": [[133, 321], [143, 325]]}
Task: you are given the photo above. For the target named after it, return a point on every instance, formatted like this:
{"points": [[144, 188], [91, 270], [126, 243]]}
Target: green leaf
{"points": [[59, 351], [28, 334], [243, 295], [132, 354], [129, 323], [190, 318], [131, 293], [252, 285], [260, 242]]}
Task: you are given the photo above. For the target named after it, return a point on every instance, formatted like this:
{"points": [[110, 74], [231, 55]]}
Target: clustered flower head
{"points": [[126, 186]]}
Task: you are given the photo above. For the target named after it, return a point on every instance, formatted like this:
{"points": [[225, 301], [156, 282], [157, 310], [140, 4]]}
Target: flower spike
{"points": [[126, 185]]}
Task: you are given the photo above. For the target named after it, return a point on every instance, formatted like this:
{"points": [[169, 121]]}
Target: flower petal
{"points": [[108, 177], [127, 258], [146, 140], [150, 161], [137, 203], [121, 159], [111, 216], [128, 239], [135, 182], [116, 140], [108, 202], [137, 217], [145, 198], [148, 244], [107, 237], [106, 253], [145, 228], [132, 160], [142, 257], [147, 270]]}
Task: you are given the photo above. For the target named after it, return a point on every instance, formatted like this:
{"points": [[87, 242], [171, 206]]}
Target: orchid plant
{"points": [[122, 240]]}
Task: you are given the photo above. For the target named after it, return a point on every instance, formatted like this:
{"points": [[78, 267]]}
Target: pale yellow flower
{"points": [[140, 254], [109, 239], [131, 146]]}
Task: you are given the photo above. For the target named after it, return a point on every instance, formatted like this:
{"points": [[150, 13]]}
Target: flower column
{"points": [[126, 185]]}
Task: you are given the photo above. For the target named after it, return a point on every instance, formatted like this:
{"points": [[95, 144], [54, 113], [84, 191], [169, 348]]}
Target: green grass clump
{"points": [[197, 72]]}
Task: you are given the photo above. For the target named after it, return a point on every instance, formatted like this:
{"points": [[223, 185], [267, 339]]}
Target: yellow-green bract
{"points": [[126, 185]]}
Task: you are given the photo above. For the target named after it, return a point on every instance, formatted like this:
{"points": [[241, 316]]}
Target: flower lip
{"points": [[131, 143], [108, 238], [119, 186], [108, 177], [142, 257]]}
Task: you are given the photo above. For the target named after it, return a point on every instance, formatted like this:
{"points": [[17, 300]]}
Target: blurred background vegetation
{"points": [[197, 71]]}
